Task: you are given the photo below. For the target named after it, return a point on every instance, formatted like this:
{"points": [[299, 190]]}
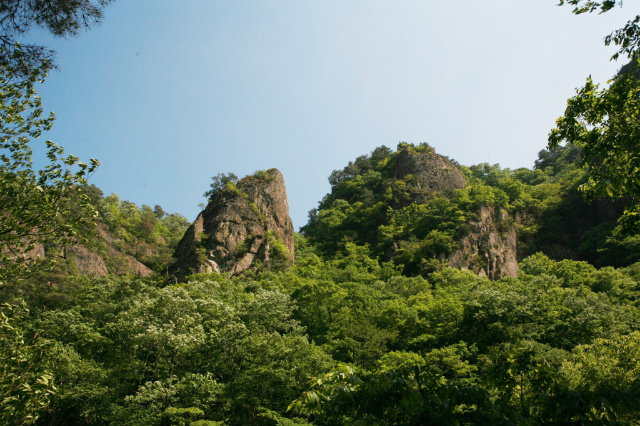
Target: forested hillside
{"points": [[401, 219], [150, 235], [420, 292], [116, 237], [371, 310]]}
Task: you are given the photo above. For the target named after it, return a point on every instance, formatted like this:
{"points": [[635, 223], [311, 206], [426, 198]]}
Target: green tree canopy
{"points": [[606, 122], [37, 205], [62, 18]]}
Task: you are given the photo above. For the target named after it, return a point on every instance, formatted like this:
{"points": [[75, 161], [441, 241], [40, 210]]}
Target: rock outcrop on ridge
{"points": [[245, 225], [490, 248], [99, 258], [105, 261], [432, 172]]}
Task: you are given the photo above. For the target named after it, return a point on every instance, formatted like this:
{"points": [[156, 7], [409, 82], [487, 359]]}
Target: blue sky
{"points": [[167, 94]]}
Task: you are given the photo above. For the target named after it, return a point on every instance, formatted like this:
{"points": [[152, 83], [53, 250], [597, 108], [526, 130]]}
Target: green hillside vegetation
{"points": [[554, 346], [151, 235], [370, 207], [370, 325], [348, 335]]}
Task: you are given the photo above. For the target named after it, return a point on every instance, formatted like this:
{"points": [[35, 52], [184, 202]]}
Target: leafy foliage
{"points": [[416, 229], [371, 207], [469, 351], [39, 208], [605, 123], [131, 353], [149, 235], [220, 182], [397, 341], [389, 334], [61, 18], [628, 37], [26, 382]]}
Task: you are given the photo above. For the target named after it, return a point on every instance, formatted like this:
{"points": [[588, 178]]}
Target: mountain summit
{"points": [[245, 225], [418, 210]]}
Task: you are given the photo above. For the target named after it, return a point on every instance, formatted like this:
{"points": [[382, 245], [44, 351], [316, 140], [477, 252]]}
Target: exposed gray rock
{"points": [[240, 226], [86, 261], [432, 172], [120, 263], [97, 262], [108, 260], [490, 248]]}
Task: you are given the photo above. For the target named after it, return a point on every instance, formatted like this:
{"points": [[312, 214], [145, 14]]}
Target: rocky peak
{"points": [[244, 225], [489, 248], [431, 172]]}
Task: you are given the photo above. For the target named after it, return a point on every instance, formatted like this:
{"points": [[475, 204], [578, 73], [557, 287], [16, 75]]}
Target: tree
{"points": [[26, 384], [606, 123], [628, 37], [597, 384], [220, 182], [62, 18], [406, 389], [39, 208]]}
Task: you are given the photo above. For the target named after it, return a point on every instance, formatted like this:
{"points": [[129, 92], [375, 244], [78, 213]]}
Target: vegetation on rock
{"points": [[246, 225], [404, 306], [371, 308]]}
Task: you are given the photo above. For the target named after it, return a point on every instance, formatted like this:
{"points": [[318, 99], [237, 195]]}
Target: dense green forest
{"points": [[148, 234], [350, 334], [370, 206], [423, 292]]}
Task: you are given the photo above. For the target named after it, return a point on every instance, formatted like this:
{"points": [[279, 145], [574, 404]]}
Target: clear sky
{"points": [[168, 93]]}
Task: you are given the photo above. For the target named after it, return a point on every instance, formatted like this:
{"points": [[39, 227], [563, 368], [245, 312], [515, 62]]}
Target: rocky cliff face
{"points": [[242, 226], [431, 172], [490, 248], [100, 260], [105, 260], [87, 262]]}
